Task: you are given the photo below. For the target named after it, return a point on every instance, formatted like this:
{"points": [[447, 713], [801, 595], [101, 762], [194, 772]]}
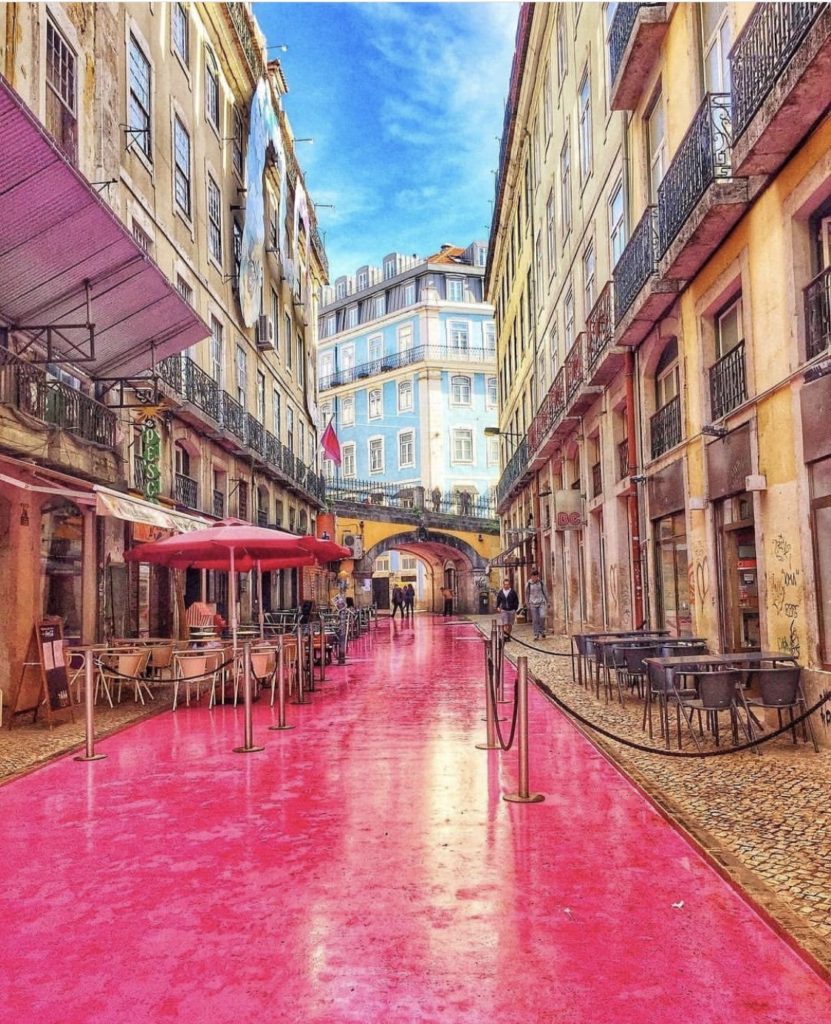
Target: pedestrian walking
{"points": [[536, 601], [447, 594], [507, 603], [409, 599], [397, 600]]}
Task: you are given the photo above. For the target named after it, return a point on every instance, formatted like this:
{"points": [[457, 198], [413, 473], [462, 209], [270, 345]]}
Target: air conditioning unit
{"points": [[264, 332], [355, 545]]}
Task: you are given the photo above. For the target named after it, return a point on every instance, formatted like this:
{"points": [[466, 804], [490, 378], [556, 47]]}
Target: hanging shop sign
{"points": [[150, 456], [569, 511]]}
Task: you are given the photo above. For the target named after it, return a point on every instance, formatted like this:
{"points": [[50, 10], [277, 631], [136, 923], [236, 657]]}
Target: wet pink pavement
{"points": [[364, 868]]}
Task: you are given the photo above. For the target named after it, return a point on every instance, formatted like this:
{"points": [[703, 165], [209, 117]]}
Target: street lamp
{"points": [[496, 432]]}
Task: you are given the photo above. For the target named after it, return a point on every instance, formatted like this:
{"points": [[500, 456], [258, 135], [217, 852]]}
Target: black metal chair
{"points": [[662, 690], [717, 692], [780, 689]]}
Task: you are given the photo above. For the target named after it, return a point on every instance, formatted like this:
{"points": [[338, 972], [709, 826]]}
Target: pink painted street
{"points": [[365, 868]]}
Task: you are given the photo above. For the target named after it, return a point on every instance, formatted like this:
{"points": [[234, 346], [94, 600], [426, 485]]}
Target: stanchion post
{"points": [[490, 712], [301, 657], [281, 691], [322, 651], [311, 655], [89, 710], [248, 741], [523, 796]]}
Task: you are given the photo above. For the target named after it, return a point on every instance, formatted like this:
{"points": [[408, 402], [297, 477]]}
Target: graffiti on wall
{"points": [[785, 591], [620, 594]]}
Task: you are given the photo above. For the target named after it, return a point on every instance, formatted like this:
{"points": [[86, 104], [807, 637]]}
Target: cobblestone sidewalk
{"points": [[764, 820]]}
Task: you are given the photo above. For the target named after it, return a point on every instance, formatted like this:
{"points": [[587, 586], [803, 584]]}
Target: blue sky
{"points": [[405, 104]]}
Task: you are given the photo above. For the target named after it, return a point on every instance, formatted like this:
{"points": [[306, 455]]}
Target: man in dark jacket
{"points": [[409, 599], [507, 603], [397, 601]]}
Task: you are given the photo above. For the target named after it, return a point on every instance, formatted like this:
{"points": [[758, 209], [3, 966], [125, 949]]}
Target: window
{"points": [[459, 335], [715, 46], [238, 149], [376, 455], [184, 289], [589, 278], [287, 322], [348, 455], [562, 50], [290, 428], [346, 360], [347, 412], [569, 311], [455, 289], [340, 290], [275, 318], [406, 449], [375, 403], [242, 375], [301, 361], [405, 395], [489, 335], [260, 396], [181, 164], [667, 376], [139, 107], [554, 348], [144, 240], [301, 440], [61, 111], [460, 390], [535, 137], [375, 347], [330, 326], [820, 472], [405, 338], [275, 413], [217, 355], [352, 316], [389, 268], [214, 221], [211, 89], [617, 227], [410, 293], [180, 30], [236, 249], [656, 145], [380, 304], [729, 328], [584, 114], [493, 451], [491, 391], [547, 115], [550, 235], [608, 20], [463, 445], [565, 185]]}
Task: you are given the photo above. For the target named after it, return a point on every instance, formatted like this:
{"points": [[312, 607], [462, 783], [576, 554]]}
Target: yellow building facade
{"points": [[708, 368]]}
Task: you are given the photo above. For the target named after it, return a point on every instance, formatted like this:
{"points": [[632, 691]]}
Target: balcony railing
{"points": [[574, 367], [702, 158], [665, 427], [394, 361], [597, 480], [622, 24], [599, 327], [262, 517], [201, 389], [233, 416], [517, 465], [139, 472], [623, 468], [728, 387], [818, 314], [548, 415], [255, 435], [186, 490], [638, 261], [26, 387], [412, 496], [770, 37], [218, 506]]}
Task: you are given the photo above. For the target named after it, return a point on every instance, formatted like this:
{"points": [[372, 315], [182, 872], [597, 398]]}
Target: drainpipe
{"points": [[11, 42], [632, 496]]}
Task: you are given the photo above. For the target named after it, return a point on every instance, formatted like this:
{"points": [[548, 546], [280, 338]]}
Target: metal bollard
{"points": [[310, 666], [499, 667], [523, 796], [281, 692], [322, 651], [89, 711], [301, 657], [248, 747], [490, 716]]}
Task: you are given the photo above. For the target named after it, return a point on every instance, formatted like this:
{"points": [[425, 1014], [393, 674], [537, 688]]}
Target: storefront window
{"points": [[673, 579], [821, 522], [739, 579], [61, 548]]}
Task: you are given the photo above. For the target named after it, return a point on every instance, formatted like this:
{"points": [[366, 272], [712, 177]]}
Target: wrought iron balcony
{"points": [[728, 386], [637, 263], [597, 480], [549, 413], [702, 158], [818, 314], [517, 466], [665, 427], [218, 506], [623, 467], [233, 416], [599, 328], [186, 490], [26, 387], [770, 37], [255, 435], [644, 26], [139, 472], [574, 368], [201, 389], [394, 361]]}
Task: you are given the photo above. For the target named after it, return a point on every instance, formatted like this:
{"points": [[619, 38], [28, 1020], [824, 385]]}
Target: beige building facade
{"points": [[165, 122]]}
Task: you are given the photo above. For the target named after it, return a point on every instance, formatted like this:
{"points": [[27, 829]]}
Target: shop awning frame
{"points": [[136, 510]]}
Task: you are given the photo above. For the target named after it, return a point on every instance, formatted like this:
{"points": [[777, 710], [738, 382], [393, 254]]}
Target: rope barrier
{"points": [[182, 679], [512, 734], [721, 752], [540, 650]]}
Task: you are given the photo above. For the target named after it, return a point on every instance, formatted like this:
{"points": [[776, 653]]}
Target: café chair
{"points": [[124, 668], [190, 667], [717, 692], [780, 689]]}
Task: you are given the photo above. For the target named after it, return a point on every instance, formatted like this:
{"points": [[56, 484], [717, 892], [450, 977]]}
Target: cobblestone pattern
{"points": [[763, 820]]}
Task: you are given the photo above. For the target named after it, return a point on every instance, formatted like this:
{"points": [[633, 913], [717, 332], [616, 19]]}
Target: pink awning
{"points": [[57, 233]]}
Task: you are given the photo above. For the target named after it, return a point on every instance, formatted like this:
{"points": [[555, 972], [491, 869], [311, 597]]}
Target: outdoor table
{"points": [[577, 637]]}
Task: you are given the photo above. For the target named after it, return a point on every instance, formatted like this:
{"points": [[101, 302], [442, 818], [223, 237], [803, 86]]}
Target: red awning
{"points": [[56, 234]]}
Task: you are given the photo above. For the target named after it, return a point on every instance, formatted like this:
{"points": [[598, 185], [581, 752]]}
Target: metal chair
{"points": [[190, 667], [660, 688], [780, 689], [124, 667], [716, 693]]}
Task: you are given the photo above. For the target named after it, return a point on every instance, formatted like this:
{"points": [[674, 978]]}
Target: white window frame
{"points": [[213, 90], [492, 455], [489, 336], [375, 403], [547, 108], [331, 326], [352, 317], [347, 411], [617, 223], [491, 392], [327, 366], [584, 120], [406, 437], [260, 397], [375, 447], [568, 309], [565, 185], [656, 147], [181, 169], [363, 280], [410, 293], [214, 204], [380, 305], [461, 389], [458, 335], [455, 289], [217, 349], [182, 53], [561, 45], [405, 387], [551, 232], [241, 374], [458, 436], [589, 262], [139, 106], [349, 467], [375, 347], [404, 338], [276, 419]]}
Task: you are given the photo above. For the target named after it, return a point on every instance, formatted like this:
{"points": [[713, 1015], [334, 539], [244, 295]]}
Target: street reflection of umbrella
{"points": [[233, 546]]}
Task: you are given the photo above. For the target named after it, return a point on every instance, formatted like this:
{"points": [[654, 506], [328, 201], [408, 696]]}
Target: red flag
{"points": [[330, 444]]}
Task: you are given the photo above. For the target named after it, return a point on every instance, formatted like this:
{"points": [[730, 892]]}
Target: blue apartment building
{"points": [[407, 370]]}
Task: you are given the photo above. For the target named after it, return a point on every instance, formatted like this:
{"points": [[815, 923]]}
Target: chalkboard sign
{"points": [[43, 676]]}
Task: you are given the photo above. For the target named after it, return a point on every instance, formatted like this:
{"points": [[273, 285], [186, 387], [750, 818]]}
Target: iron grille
{"points": [[665, 427], [728, 387]]}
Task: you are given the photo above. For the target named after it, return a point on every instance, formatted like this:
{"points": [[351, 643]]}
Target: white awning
{"points": [[137, 510]]}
